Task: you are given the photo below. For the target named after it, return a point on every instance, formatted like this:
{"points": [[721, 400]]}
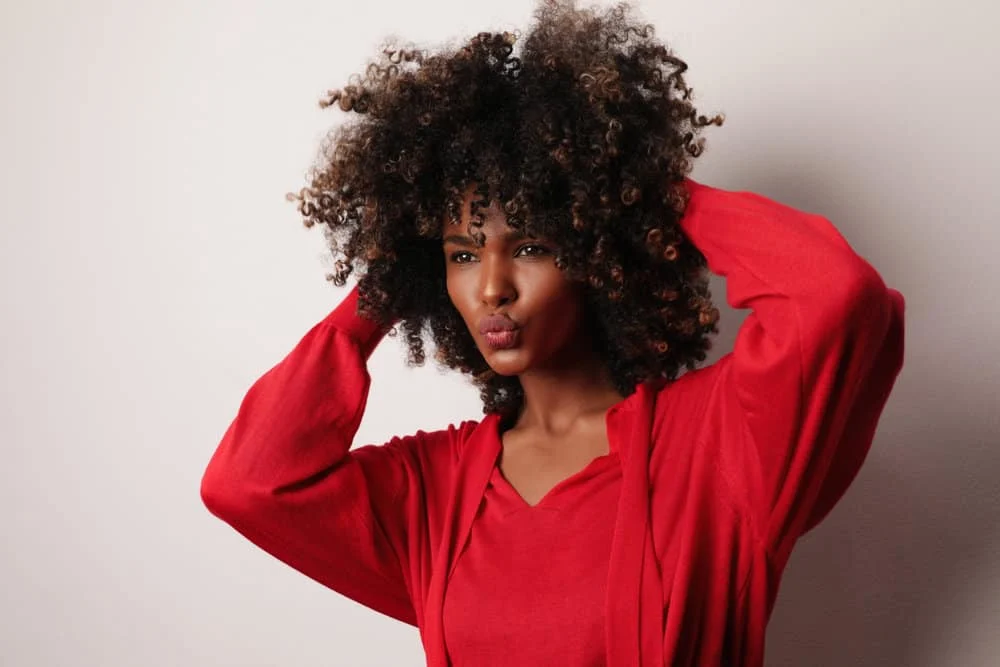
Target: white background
{"points": [[152, 270]]}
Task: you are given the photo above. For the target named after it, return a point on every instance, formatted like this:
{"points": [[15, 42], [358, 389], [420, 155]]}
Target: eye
{"points": [[532, 250], [462, 257]]}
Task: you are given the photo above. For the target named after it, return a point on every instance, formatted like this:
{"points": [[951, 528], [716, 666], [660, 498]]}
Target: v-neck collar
{"points": [[555, 498]]}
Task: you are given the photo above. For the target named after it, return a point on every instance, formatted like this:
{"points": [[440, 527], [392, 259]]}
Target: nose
{"points": [[496, 286]]}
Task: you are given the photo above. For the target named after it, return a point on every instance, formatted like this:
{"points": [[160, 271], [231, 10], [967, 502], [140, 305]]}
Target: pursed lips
{"points": [[494, 323]]}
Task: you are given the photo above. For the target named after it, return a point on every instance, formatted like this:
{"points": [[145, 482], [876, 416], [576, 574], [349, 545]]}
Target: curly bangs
{"points": [[583, 137]]}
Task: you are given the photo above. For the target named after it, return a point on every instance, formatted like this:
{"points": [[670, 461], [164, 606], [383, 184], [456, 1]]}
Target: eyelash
{"points": [[456, 255]]}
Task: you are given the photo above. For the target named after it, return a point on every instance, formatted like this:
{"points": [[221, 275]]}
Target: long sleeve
{"points": [[283, 475], [813, 362]]}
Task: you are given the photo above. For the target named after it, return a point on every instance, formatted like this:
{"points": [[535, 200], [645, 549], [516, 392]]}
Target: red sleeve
{"points": [[283, 475], [812, 364]]}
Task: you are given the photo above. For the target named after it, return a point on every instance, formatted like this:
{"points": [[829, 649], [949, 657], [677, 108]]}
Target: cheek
{"points": [[554, 285], [458, 292], [560, 300]]}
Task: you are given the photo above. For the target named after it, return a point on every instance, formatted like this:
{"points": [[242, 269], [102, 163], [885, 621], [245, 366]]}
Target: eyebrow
{"points": [[467, 242]]}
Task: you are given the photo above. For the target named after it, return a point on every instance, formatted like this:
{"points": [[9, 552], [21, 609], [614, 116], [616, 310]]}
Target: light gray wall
{"points": [[151, 270]]}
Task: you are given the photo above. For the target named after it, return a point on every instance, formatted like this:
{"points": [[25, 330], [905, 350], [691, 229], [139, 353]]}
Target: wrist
{"points": [[346, 319]]}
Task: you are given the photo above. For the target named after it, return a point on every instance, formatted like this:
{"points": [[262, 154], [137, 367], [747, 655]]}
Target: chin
{"points": [[508, 362]]}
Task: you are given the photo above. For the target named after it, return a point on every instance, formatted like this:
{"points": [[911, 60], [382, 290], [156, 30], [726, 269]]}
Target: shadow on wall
{"points": [[883, 580], [886, 578]]}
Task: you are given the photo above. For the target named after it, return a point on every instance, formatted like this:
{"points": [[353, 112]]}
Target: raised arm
{"points": [[813, 362], [284, 477]]}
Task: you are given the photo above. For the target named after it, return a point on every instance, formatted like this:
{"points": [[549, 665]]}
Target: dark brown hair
{"points": [[584, 137]]}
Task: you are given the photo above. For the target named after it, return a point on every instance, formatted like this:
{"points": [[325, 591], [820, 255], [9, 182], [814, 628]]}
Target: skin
{"points": [[567, 388]]}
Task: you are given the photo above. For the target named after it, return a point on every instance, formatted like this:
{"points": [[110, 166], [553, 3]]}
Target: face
{"points": [[521, 310]]}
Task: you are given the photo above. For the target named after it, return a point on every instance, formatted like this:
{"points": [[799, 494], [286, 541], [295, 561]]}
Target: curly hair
{"points": [[584, 138]]}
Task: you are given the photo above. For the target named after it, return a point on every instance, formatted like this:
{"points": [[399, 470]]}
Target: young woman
{"points": [[533, 217]]}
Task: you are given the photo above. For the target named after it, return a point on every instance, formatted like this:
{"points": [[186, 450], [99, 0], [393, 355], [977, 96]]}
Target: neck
{"points": [[557, 395]]}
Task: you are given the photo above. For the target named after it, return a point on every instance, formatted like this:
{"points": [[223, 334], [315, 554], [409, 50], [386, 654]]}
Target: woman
{"points": [[533, 215]]}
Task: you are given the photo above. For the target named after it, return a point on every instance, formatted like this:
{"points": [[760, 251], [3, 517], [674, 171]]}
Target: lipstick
{"points": [[501, 340], [500, 332]]}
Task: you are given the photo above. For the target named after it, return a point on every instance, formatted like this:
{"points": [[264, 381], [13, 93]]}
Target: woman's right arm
{"points": [[283, 475]]}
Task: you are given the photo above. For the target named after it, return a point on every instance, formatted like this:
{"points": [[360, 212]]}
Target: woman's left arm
{"points": [[812, 364]]}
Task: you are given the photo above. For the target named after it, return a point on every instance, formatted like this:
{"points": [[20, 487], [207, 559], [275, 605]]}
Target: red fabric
{"points": [[559, 550], [722, 470]]}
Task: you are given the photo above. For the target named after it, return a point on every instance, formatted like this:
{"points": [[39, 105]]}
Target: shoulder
{"points": [[435, 448], [431, 461], [690, 405], [694, 387]]}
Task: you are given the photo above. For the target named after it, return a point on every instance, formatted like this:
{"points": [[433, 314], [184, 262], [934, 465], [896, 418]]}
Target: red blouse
{"points": [[559, 549]]}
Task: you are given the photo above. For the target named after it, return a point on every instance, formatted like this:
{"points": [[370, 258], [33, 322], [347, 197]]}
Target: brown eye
{"points": [[462, 257], [532, 250]]}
